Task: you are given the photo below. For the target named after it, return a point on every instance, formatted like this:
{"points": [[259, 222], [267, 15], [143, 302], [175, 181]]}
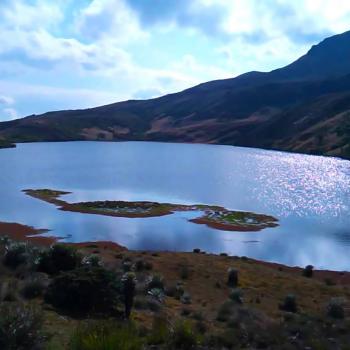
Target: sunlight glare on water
{"points": [[309, 195]]}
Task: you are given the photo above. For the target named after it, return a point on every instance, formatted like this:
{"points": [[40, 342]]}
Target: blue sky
{"points": [[66, 54]]}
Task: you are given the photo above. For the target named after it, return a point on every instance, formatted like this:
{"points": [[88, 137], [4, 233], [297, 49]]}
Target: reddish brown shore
{"points": [[21, 232]]}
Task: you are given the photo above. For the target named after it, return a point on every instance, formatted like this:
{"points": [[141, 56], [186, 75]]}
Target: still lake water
{"points": [[310, 196]]}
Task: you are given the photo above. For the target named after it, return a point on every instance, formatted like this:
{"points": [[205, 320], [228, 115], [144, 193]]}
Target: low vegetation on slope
{"points": [[99, 297]]}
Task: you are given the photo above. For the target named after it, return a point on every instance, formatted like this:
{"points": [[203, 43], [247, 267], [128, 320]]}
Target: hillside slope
{"points": [[302, 107]]}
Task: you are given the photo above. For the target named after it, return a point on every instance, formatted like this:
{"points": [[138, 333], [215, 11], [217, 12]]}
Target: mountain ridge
{"points": [[301, 107]]}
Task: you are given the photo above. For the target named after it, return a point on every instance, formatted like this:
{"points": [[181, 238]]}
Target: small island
{"points": [[213, 216]]}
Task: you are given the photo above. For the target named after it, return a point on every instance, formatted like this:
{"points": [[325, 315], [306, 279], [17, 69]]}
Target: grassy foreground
{"points": [[100, 296]]}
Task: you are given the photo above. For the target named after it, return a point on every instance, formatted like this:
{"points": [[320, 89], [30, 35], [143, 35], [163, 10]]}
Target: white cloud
{"points": [[19, 15], [87, 57], [6, 100], [109, 18]]}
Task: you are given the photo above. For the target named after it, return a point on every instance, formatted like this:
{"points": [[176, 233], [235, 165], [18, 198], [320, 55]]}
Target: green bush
{"points": [[236, 295], [157, 294], [225, 311], [127, 266], [19, 326], [174, 291], [8, 290], [308, 271], [4, 240], [92, 260], [160, 332], [33, 288], [289, 304], [329, 282], [183, 337], [59, 258], [184, 272], [103, 336], [16, 253], [232, 278], [85, 290], [142, 265], [155, 282], [186, 298], [335, 308]]}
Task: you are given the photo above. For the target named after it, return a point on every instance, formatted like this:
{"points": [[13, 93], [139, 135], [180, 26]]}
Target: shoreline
{"points": [[20, 232], [272, 149]]}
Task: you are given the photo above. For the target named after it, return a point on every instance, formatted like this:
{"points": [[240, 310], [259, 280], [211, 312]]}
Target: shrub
{"points": [[16, 253], [59, 258], [103, 336], [225, 311], [236, 296], [198, 315], [183, 337], [308, 271], [289, 304], [8, 290], [33, 288], [84, 290], [141, 265], [196, 250], [19, 326], [186, 312], [184, 272], [157, 294], [127, 266], [232, 279], [335, 308], [148, 266], [329, 282], [92, 260], [4, 240], [186, 298], [155, 281], [129, 284], [174, 291], [160, 331]]}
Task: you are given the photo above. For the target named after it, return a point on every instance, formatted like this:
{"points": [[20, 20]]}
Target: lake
{"points": [[310, 196]]}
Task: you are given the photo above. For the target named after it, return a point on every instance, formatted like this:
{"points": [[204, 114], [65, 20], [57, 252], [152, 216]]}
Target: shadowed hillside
{"points": [[303, 107]]}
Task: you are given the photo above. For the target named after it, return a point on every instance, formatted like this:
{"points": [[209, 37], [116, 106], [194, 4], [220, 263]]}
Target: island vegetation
{"points": [[213, 216]]}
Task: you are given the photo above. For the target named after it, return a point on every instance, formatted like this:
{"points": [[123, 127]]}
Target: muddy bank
{"points": [[21, 232]]}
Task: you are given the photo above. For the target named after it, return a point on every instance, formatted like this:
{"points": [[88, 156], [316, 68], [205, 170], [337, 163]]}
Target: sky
{"points": [[69, 54]]}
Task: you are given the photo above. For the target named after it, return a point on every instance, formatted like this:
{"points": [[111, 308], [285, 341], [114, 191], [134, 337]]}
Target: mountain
{"points": [[303, 107]]}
